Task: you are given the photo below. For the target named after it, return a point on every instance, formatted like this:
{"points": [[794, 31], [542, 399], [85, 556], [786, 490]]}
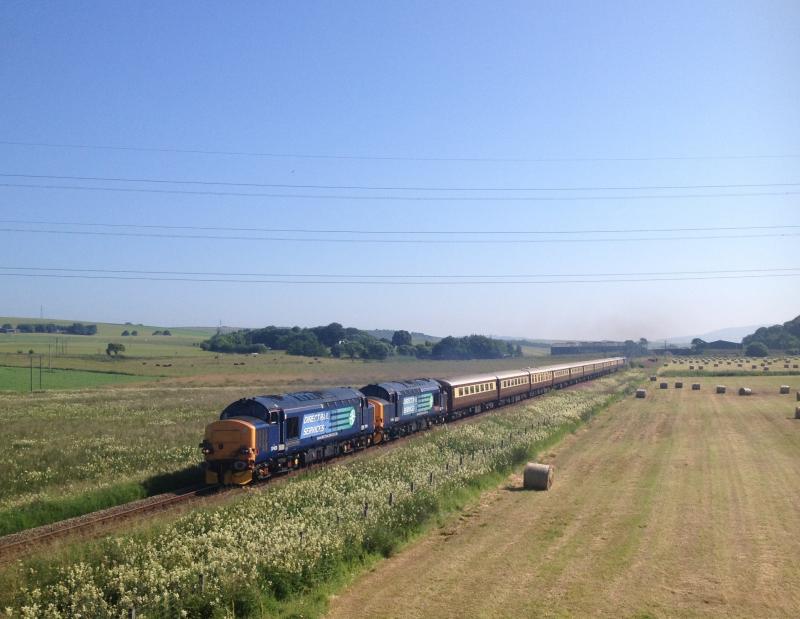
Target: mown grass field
{"points": [[684, 504]]}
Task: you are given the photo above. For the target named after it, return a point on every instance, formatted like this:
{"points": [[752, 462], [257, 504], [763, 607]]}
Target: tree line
{"points": [[784, 337], [335, 340], [76, 328]]}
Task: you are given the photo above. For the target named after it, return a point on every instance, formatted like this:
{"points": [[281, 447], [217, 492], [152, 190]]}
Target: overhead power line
{"points": [[394, 231], [395, 275], [164, 181], [394, 241], [282, 155], [243, 194], [393, 283]]}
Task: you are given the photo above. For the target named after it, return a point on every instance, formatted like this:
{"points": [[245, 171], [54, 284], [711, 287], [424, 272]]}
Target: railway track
{"points": [[16, 544]]}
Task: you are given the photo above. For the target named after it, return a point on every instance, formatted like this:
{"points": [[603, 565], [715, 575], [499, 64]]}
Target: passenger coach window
{"points": [[293, 427]]}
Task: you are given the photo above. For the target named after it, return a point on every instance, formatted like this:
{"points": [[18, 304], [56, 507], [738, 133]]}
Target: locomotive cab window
{"points": [[292, 427]]}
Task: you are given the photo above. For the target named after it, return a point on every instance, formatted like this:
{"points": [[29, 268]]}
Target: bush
{"points": [[756, 349]]}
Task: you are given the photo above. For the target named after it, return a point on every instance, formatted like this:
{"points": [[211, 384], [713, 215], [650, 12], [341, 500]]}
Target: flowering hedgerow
{"points": [[292, 535]]}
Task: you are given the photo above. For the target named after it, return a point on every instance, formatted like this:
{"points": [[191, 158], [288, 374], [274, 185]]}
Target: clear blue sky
{"points": [[512, 80]]}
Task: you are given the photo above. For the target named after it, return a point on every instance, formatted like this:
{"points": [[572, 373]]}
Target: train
{"points": [[261, 436]]}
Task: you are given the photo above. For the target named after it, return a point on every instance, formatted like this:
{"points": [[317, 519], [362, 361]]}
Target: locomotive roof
{"points": [[401, 386], [298, 399]]}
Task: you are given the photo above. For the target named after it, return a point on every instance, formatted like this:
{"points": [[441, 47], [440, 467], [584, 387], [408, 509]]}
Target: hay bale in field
{"points": [[785, 366], [678, 385], [663, 386], [797, 412], [653, 378], [537, 476], [700, 367], [754, 367], [716, 365], [745, 391], [738, 365], [695, 386], [798, 396], [766, 368], [784, 389], [794, 367], [720, 388], [691, 367], [640, 393]]}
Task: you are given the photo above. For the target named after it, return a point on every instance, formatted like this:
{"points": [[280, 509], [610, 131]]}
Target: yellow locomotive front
{"points": [[230, 451]]}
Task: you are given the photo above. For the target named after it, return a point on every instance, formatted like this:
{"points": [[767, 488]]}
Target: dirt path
{"points": [[683, 504]]}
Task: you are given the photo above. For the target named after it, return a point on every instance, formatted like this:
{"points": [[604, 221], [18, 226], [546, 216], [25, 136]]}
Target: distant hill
{"points": [[731, 334]]}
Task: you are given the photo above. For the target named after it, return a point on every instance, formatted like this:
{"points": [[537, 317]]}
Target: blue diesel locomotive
{"points": [[258, 437]]}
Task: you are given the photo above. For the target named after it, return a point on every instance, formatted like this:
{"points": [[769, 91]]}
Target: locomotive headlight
{"points": [[245, 451]]}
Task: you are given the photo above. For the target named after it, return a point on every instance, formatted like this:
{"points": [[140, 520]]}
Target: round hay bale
{"points": [[784, 389], [797, 412], [691, 367], [766, 368], [794, 366], [720, 388], [640, 393], [745, 391], [663, 386], [537, 476], [700, 367], [738, 365], [695, 386], [754, 367], [653, 379], [786, 366], [678, 385], [798, 396]]}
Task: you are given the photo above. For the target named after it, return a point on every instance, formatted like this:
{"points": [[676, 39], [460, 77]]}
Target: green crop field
{"points": [[25, 379]]}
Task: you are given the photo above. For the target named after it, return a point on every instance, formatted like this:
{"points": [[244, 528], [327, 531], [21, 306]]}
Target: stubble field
{"points": [[682, 504]]}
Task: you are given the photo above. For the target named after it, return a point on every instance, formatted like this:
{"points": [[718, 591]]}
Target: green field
{"points": [[23, 379]]}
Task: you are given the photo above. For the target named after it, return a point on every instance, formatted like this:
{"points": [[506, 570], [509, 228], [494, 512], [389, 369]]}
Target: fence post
{"points": [[412, 486], [202, 582], [366, 509], [430, 477], [461, 460], [391, 499]]}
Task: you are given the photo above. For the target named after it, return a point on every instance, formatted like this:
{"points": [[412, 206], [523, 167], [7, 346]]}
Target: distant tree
{"points": [[156, 332], [31, 351], [698, 345], [401, 338], [25, 328], [353, 349], [125, 333], [756, 349], [518, 350], [114, 349], [166, 332], [378, 350], [134, 332], [406, 350], [329, 335], [7, 326]]}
